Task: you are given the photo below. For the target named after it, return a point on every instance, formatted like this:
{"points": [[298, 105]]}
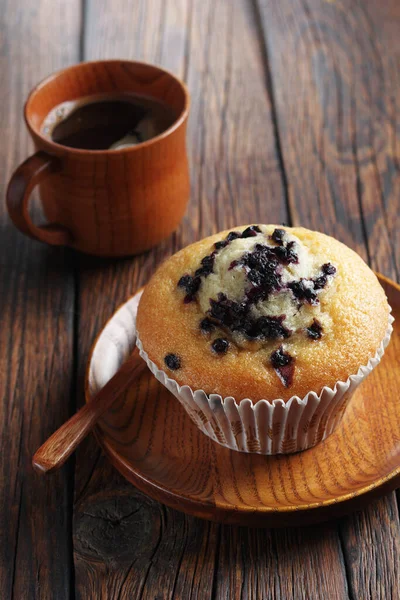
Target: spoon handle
{"points": [[64, 441]]}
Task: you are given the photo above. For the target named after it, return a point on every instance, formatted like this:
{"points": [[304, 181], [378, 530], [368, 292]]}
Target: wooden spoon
{"points": [[55, 451]]}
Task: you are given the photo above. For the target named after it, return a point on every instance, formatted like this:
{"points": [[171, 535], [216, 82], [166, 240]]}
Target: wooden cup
{"points": [[104, 202]]}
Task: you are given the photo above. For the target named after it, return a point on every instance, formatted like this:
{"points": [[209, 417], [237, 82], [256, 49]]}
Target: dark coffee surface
{"points": [[107, 122]]}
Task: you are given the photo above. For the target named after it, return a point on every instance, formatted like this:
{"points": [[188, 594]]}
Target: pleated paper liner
{"points": [[149, 437], [268, 427]]}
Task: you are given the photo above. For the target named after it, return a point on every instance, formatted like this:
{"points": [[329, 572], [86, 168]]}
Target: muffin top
{"points": [[262, 311]]}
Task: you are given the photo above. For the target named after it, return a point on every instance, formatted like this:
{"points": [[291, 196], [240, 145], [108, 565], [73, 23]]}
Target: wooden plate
{"points": [[150, 439]]}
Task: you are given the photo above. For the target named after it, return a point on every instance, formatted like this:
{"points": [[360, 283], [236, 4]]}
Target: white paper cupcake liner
{"points": [[268, 427]]}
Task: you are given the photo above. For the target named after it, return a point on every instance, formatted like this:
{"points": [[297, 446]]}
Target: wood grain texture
{"points": [[233, 180], [267, 564], [322, 124], [338, 133], [64, 441], [38, 167], [158, 565], [36, 332], [106, 203], [153, 441], [340, 148], [371, 549]]}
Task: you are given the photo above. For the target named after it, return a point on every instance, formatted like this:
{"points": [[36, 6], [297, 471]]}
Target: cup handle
{"points": [[24, 179]]}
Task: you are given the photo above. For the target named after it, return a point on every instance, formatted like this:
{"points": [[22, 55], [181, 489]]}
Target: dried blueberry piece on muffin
{"points": [[278, 236], [207, 326], [233, 235], [228, 312], [321, 281], [280, 358], [185, 282], [286, 254], [304, 290], [172, 361], [271, 328], [262, 269], [207, 265], [220, 346], [251, 231], [328, 269], [315, 330], [191, 286], [283, 363], [221, 244]]}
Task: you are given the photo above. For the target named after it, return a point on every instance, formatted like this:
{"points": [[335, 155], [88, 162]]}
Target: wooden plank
{"points": [[336, 130], [236, 178], [371, 547], [381, 25], [297, 564], [155, 560], [340, 149], [36, 332], [129, 546]]}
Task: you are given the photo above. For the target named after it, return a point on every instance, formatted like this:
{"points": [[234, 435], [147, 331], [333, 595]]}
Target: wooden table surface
{"points": [[295, 118]]}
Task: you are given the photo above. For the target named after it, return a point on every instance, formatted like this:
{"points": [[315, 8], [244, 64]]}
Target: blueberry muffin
{"points": [[262, 312]]}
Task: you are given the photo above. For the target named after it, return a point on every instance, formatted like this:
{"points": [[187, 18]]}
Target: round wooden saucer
{"points": [[151, 440]]}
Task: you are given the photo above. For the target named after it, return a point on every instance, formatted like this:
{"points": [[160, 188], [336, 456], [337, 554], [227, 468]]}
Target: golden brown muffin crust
{"points": [[355, 304]]}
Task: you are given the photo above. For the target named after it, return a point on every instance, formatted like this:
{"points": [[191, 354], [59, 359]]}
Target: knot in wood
{"points": [[116, 527]]}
